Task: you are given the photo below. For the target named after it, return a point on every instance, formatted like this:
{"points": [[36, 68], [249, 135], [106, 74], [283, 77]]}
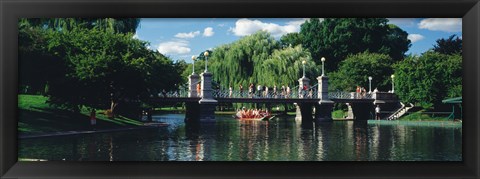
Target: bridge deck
{"points": [[259, 100]]}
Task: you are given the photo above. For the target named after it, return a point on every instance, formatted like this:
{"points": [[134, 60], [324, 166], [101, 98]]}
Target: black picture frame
{"points": [[11, 10]]}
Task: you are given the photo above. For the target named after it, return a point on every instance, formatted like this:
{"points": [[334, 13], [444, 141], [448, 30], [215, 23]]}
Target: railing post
{"points": [[323, 88], [207, 103], [323, 111], [193, 80], [303, 81]]}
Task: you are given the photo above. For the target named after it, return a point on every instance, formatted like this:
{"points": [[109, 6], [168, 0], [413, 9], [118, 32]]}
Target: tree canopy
{"points": [[90, 66], [336, 38], [429, 78], [241, 62], [119, 25], [452, 45], [355, 70]]}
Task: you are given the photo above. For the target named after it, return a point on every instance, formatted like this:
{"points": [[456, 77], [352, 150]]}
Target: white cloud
{"points": [[415, 37], [441, 24], [187, 35], [221, 25], [245, 27], [135, 36], [174, 47], [410, 22], [208, 32]]}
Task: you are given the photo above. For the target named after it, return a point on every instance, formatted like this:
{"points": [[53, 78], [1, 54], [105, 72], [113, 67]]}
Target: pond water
{"points": [[282, 139]]}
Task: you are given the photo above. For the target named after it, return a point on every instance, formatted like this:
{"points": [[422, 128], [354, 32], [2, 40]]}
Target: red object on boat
{"points": [[252, 114]]}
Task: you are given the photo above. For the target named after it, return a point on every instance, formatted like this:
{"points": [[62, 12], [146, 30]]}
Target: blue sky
{"points": [[180, 38]]}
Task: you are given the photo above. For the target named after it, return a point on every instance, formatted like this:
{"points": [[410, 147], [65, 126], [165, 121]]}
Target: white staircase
{"points": [[400, 112]]}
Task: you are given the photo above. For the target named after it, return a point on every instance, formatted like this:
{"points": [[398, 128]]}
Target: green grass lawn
{"points": [[37, 117], [419, 116], [339, 114]]}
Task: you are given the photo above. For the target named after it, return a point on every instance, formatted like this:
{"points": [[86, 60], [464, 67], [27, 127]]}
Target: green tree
{"points": [[119, 25], [284, 67], [355, 70], [35, 64], [241, 62], [452, 45], [290, 40], [336, 38], [88, 67], [429, 78]]}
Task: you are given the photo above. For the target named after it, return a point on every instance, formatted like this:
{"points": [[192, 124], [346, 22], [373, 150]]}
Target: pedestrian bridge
{"points": [[243, 97], [201, 103]]}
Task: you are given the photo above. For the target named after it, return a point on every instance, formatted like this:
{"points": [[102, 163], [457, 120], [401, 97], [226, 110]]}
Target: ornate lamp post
{"points": [[303, 63], [206, 60], [370, 84], [193, 59], [323, 66], [393, 83]]}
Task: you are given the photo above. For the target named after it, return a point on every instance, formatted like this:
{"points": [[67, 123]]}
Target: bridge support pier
{"points": [[323, 111], [363, 111], [207, 112], [304, 112], [192, 112]]}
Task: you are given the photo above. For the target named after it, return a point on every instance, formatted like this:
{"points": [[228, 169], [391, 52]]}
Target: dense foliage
{"points": [[257, 59], [91, 66], [336, 38], [241, 62], [356, 69], [120, 25], [429, 78], [452, 45]]}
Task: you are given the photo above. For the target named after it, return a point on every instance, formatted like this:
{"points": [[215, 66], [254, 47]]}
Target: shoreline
{"points": [[92, 131], [418, 123]]}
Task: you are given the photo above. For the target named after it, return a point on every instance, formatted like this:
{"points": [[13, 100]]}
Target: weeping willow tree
{"points": [[241, 62], [284, 67], [258, 59]]}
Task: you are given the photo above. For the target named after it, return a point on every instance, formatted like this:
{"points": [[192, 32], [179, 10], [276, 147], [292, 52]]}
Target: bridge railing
{"points": [[293, 94], [182, 93], [349, 95], [261, 94]]}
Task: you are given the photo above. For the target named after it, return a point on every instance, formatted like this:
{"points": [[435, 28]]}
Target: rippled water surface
{"points": [[282, 139]]}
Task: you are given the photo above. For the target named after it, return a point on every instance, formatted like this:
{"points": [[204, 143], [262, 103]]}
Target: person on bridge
{"points": [[266, 92], [304, 91], [230, 91], [288, 92], [250, 90], [198, 89], [241, 90], [377, 112], [259, 90], [283, 91], [164, 93], [363, 91], [357, 92], [275, 91]]}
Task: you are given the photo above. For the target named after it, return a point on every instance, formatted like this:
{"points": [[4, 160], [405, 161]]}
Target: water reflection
{"points": [[282, 139]]}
